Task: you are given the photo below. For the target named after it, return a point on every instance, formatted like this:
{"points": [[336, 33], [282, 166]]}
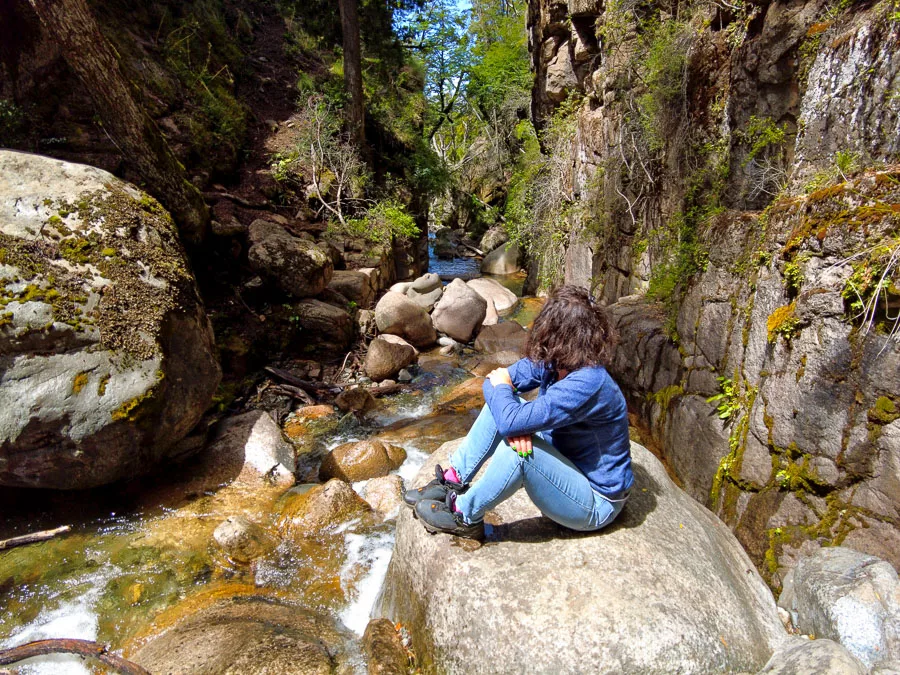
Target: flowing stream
{"points": [[138, 551]]}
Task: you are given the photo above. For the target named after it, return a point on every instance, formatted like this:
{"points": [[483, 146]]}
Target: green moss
{"points": [[784, 322], [108, 252], [76, 250], [132, 409], [664, 398], [80, 382], [884, 411]]}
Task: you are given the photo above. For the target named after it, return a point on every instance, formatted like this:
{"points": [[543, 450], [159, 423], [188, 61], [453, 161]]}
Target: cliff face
{"points": [[739, 163]]}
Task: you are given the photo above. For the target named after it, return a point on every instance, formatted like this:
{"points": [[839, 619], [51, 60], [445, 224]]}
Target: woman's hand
{"points": [[521, 444], [500, 376]]}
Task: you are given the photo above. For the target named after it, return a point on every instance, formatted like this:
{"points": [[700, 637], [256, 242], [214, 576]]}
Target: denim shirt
{"points": [[583, 415]]}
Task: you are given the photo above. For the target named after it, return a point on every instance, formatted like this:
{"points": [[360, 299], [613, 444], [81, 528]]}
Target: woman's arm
{"points": [[525, 374], [566, 402]]}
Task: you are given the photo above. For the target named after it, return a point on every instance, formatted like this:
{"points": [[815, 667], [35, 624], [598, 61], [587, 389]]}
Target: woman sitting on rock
{"points": [[569, 447]]}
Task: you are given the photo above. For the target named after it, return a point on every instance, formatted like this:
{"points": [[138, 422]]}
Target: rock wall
{"points": [[739, 201]]}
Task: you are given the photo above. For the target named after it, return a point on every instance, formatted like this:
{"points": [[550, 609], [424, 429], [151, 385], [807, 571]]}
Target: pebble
{"points": [[404, 376]]}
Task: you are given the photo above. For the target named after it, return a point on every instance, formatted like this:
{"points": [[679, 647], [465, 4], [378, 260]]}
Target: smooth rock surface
{"points": [[847, 596], [667, 588], [493, 238], [243, 540], [361, 460], [813, 657], [459, 312], [247, 635], [502, 260], [317, 512], [253, 441], [385, 495], [387, 355], [398, 315], [296, 266], [107, 358], [384, 649], [491, 290], [506, 336], [324, 323]]}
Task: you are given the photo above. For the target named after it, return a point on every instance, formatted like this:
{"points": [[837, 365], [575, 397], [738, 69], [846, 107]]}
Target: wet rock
{"points": [[252, 635], [387, 355], [813, 657], [504, 299], [850, 597], [357, 400], [503, 260], [429, 433], [107, 358], [385, 495], [493, 238], [318, 511], [504, 337], [296, 266], [361, 460], [355, 286], [384, 649], [242, 540], [255, 443], [404, 376], [463, 397], [324, 323], [460, 311], [707, 608], [398, 315]]}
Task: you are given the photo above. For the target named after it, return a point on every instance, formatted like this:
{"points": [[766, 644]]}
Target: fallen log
{"points": [[318, 389], [33, 538], [84, 648]]}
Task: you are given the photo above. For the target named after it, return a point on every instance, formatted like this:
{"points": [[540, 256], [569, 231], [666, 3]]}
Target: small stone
{"points": [[385, 495], [355, 400], [404, 376], [242, 540], [362, 460]]}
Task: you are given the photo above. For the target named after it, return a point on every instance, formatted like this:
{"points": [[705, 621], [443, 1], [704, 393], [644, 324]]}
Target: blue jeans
{"points": [[553, 482]]}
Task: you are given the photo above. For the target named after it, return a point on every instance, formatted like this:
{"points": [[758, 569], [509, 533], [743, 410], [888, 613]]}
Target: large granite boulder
{"points": [[847, 596], [803, 656], [506, 336], [459, 312], [252, 635], [324, 324], [667, 588], [297, 266], [107, 357], [388, 355], [502, 260], [361, 460], [493, 238], [354, 285], [398, 315], [426, 291], [503, 299]]}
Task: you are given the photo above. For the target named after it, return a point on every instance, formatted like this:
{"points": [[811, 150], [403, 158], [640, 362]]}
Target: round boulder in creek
{"points": [[502, 260], [107, 357], [459, 312], [388, 355], [667, 588], [398, 315]]}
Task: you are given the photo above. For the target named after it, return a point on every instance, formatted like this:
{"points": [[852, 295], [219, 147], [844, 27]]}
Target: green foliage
{"points": [[763, 134], [728, 402], [664, 60], [203, 54], [386, 221], [793, 277], [12, 122]]}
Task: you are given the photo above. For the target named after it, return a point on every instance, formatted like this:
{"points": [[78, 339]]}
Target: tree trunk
{"points": [[94, 60], [353, 72]]}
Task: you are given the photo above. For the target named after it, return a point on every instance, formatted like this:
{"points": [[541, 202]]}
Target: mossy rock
{"points": [[109, 357]]}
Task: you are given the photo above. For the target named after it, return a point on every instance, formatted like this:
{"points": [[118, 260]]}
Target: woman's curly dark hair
{"points": [[571, 332]]}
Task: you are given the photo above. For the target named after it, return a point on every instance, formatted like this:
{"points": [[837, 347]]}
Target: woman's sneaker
{"points": [[441, 516], [436, 489]]}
